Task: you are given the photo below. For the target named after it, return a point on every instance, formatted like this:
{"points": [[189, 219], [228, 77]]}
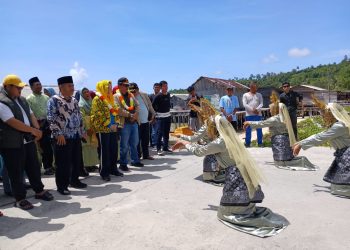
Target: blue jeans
{"points": [[129, 139], [248, 132], [155, 127]]}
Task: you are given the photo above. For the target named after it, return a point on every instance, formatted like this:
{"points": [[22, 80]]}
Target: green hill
{"points": [[336, 76]]}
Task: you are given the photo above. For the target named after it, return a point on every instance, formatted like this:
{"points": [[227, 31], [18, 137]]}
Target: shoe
{"points": [[116, 172], [137, 164], [27, 186], [46, 196], [84, 173], [260, 145], [24, 204], [149, 158], [64, 191], [106, 178], [160, 153], [78, 184], [124, 167], [168, 151], [247, 146], [49, 171]]}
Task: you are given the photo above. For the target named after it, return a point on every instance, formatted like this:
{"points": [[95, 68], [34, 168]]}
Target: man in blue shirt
{"points": [[229, 105]]}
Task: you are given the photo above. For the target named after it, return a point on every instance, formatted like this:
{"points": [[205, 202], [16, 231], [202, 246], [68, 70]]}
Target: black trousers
{"points": [[294, 121], [68, 161], [108, 145], [142, 147], [16, 162], [46, 148], [234, 125]]}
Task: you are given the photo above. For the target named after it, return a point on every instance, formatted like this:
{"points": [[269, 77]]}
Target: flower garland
{"points": [[112, 110], [122, 101]]}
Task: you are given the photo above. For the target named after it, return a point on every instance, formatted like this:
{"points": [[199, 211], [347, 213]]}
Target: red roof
{"points": [[224, 82]]}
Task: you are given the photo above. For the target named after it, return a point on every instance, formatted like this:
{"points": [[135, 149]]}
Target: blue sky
{"points": [[177, 41]]}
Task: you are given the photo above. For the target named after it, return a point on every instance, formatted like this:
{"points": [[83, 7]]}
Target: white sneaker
{"points": [[160, 152]]}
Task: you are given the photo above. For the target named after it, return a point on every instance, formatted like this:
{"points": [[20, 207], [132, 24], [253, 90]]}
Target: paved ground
{"points": [[165, 205]]}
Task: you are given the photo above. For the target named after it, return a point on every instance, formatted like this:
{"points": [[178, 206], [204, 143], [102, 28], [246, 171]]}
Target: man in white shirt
{"points": [[253, 102], [18, 131]]}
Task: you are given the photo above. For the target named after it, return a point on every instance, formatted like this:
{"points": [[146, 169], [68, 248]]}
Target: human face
{"points": [[164, 88], [156, 89], [36, 88], [67, 89], [253, 88], [286, 88], [13, 91], [86, 94], [229, 92], [123, 88]]}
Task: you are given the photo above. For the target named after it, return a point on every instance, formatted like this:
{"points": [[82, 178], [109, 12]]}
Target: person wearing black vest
{"points": [[19, 130], [161, 104], [66, 125]]}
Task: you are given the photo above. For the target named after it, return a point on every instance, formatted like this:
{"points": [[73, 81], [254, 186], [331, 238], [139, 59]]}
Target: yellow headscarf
{"points": [[102, 90]]}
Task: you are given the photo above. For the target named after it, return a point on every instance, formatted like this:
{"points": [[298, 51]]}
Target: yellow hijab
{"points": [[102, 89]]}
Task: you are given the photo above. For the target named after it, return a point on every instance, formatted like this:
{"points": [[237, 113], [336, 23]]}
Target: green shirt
{"points": [[38, 103]]}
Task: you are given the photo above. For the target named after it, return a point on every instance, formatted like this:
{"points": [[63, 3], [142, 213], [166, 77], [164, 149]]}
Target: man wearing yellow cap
{"points": [[18, 131]]}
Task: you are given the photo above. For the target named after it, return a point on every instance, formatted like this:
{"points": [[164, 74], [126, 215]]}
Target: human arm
{"points": [[197, 136], [270, 122]]}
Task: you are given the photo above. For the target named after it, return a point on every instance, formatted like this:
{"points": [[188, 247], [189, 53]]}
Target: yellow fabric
{"points": [[244, 161], [102, 88]]}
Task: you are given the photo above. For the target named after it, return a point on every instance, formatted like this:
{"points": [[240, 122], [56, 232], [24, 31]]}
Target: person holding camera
{"points": [[19, 130]]}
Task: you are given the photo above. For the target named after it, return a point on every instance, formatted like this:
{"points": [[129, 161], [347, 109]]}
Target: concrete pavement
{"points": [[165, 205]]}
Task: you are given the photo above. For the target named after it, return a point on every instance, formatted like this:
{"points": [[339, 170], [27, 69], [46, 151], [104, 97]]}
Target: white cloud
{"points": [[270, 59], [296, 52], [79, 74], [219, 72]]}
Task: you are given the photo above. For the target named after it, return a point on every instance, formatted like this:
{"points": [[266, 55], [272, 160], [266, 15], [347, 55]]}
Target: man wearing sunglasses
{"points": [[291, 99]]}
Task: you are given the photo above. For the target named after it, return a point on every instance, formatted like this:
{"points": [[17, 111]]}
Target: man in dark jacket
{"points": [[19, 130], [291, 99]]}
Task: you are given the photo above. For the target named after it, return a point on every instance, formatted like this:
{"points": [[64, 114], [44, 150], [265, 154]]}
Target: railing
{"points": [[180, 118]]}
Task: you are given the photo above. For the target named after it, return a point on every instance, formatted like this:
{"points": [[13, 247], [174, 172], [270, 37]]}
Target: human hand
{"points": [[61, 141], [296, 149], [246, 125], [179, 145], [37, 133]]}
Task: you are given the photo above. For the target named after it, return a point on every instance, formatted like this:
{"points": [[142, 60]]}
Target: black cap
{"points": [[133, 86], [64, 79], [33, 80], [123, 80]]}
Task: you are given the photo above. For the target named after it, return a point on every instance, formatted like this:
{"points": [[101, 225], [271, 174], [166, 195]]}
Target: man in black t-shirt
{"points": [[291, 99], [193, 99], [153, 127], [161, 104]]}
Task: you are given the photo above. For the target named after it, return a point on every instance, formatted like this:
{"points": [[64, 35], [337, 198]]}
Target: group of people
{"points": [[77, 133], [87, 132], [227, 160]]}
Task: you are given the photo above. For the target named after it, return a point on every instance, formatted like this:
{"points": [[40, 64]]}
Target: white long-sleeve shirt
{"points": [[251, 101]]}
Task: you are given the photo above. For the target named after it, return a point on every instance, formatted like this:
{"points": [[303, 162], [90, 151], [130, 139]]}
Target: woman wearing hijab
{"points": [[90, 158], [337, 122], [242, 190], [49, 92], [104, 121], [282, 137]]}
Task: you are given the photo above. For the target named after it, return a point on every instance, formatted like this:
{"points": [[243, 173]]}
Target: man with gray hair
{"points": [[253, 102]]}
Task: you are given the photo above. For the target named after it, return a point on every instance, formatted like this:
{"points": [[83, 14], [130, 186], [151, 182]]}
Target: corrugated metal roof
{"points": [[225, 82], [311, 87]]}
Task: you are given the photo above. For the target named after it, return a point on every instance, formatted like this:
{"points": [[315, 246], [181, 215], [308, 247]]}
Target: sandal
{"points": [[1, 214], [46, 196], [24, 205]]}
